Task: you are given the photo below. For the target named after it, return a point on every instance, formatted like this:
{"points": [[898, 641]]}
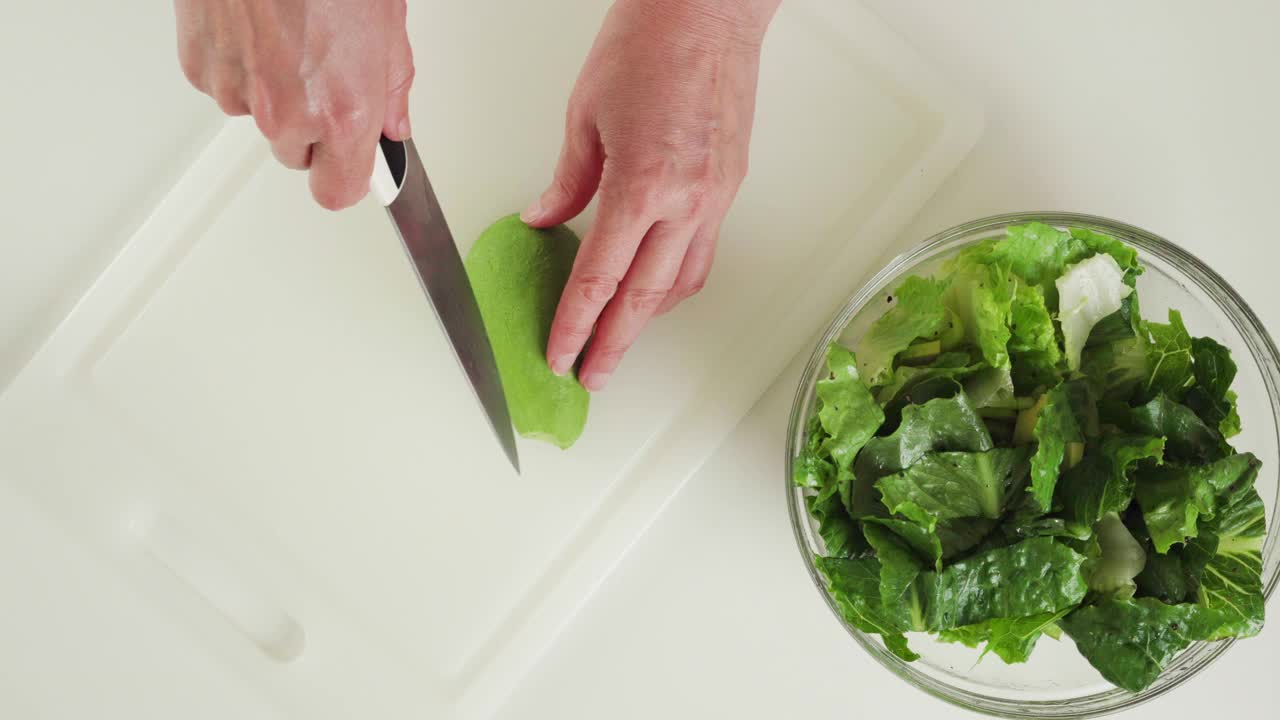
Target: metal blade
{"points": [[418, 219]]}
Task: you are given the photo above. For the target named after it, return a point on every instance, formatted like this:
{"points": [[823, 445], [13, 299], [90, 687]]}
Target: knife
{"points": [[400, 183]]}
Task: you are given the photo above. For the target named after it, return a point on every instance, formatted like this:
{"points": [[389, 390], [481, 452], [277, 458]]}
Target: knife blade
{"points": [[400, 183]]}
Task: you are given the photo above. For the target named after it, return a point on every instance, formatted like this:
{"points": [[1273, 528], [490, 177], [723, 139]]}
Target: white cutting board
{"points": [[251, 436]]}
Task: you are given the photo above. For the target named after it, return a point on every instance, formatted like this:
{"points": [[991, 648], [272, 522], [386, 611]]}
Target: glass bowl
{"points": [[1058, 682]]}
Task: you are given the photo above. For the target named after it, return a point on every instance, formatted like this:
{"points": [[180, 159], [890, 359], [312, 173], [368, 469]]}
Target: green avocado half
{"points": [[518, 274]]}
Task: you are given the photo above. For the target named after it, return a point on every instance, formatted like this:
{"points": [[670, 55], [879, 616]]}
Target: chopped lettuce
{"points": [[1055, 427], [1088, 291], [1212, 398], [1131, 641], [951, 485], [1120, 559], [1102, 482], [918, 313], [849, 414], [1016, 452]]}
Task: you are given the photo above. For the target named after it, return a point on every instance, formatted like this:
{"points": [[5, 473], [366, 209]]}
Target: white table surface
{"points": [[1163, 114]]}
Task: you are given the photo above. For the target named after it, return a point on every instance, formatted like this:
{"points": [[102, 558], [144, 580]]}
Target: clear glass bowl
{"points": [[1057, 682]]}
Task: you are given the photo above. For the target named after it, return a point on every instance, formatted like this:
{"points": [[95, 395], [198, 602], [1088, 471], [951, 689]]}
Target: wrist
{"points": [[735, 22]]}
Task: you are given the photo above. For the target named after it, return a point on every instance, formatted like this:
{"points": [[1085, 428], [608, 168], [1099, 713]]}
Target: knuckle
{"points": [[571, 331], [597, 289], [611, 352], [348, 120], [644, 300], [689, 289]]}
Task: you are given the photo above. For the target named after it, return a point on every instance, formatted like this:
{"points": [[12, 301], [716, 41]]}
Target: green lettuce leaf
{"points": [[1169, 358], [980, 295], [900, 573], [811, 468], [1124, 255], [1232, 579], [854, 585], [841, 534], [944, 424], [918, 313], [1173, 497], [1033, 343], [1120, 560], [949, 365], [991, 388], [1101, 483], [1055, 427], [1088, 291], [849, 414], [1115, 370], [1012, 639], [922, 539], [950, 485], [1131, 641], [1029, 578], [1187, 438], [1212, 398]]}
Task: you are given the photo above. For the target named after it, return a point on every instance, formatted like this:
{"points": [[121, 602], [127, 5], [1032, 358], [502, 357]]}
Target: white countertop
{"points": [[1162, 114]]}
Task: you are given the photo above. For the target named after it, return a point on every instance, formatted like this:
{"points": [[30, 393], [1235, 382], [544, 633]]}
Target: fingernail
{"points": [[562, 364], [533, 212], [595, 382], [404, 129]]}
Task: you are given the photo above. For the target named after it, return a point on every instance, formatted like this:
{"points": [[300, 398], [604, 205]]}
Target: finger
{"points": [[646, 285], [395, 123], [226, 87], [601, 264], [577, 176], [341, 167], [293, 154], [696, 267]]}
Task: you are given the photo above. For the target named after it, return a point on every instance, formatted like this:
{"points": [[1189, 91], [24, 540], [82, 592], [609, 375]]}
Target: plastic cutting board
{"points": [[243, 477]]}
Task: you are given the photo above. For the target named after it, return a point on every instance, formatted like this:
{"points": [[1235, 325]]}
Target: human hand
{"points": [[323, 79], [658, 124]]}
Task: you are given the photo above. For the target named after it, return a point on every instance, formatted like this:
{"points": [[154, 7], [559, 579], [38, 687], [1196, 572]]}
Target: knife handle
{"points": [[389, 164]]}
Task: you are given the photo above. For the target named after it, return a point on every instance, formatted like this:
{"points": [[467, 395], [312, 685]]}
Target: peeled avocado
{"points": [[518, 274]]}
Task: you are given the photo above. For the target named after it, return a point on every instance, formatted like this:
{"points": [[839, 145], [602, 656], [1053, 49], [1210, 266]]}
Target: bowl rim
{"points": [[1261, 347]]}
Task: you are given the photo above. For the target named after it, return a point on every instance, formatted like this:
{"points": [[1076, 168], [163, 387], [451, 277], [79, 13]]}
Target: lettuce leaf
{"points": [[841, 534], [944, 424], [812, 468], [1088, 291], [918, 313], [1120, 559], [900, 572], [922, 539], [950, 485], [1034, 351], [1101, 483], [1212, 398], [980, 295], [849, 414], [1173, 498], [854, 585], [1031, 577], [1186, 436], [1169, 358], [1232, 581], [1055, 427], [1012, 639], [1131, 641]]}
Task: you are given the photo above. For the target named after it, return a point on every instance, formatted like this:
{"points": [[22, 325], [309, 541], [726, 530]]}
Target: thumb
{"points": [[395, 123], [577, 177]]}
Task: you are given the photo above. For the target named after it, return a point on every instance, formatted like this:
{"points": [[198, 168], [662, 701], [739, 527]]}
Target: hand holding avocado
{"points": [[658, 128]]}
